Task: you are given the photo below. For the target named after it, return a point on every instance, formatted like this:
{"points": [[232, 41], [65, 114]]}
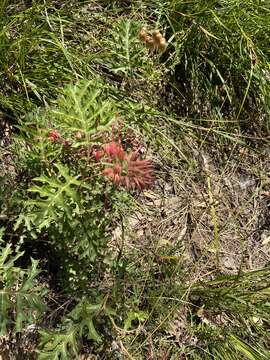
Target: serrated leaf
{"points": [[18, 292], [58, 345], [140, 316], [82, 109], [92, 334], [55, 195]]}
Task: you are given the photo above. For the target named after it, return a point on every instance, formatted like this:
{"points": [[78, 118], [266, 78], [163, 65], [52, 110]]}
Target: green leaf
{"points": [[55, 196], [82, 109], [140, 316], [127, 55], [58, 345], [19, 293], [77, 324], [92, 334]]}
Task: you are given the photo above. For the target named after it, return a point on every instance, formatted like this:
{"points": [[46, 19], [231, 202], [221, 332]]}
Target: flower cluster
{"points": [[54, 136], [122, 169], [125, 169]]}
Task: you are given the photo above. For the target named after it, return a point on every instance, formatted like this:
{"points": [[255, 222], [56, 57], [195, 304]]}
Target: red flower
{"points": [[115, 150], [98, 154], [126, 170], [108, 172], [138, 174], [114, 173], [54, 135]]}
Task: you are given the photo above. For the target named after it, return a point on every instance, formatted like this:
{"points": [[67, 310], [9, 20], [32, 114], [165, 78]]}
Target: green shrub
{"points": [[66, 194]]}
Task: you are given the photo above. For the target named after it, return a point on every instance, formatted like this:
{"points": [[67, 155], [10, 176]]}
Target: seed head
{"points": [[156, 34], [143, 34], [158, 38], [149, 42], [162, 45]]}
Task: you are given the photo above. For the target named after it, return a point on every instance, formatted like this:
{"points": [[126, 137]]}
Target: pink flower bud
{"points": [[98, 154], [54, 135], [115, 150]]}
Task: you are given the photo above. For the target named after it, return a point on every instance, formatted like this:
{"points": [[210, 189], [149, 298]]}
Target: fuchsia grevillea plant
{"points": [[122, 168]]}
